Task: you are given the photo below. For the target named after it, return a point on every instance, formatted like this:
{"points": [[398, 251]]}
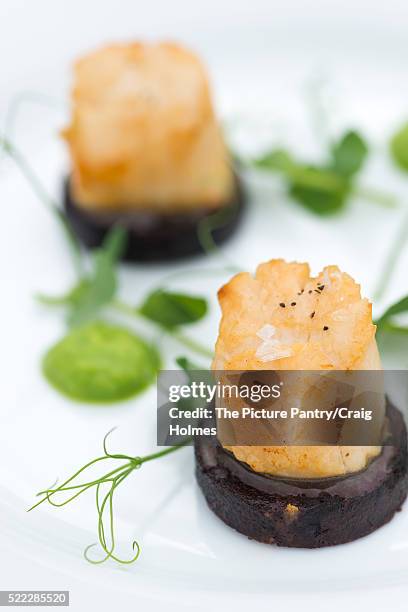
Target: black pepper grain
{"points": [[282, 305], [325, 328], [312, 314]]}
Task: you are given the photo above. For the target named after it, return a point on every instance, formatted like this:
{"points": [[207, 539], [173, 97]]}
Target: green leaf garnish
{"points": [[278, 159], [349, 154], [99, 288], [323, 189], [105, 487], [170, 310], [399, 147], [385, 321], [71, 298], [320, 191], [387, 324], [186, 364], [101, 363]]}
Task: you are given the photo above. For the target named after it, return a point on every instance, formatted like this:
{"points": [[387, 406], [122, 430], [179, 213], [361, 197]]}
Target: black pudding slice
{"points": [[154, 236], [304, 513]]}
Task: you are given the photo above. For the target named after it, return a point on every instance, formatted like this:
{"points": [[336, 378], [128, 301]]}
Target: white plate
{"points": [[189, 558]]}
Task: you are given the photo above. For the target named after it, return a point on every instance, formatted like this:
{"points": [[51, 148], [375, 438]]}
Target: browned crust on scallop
{"points": [[249, 302]]}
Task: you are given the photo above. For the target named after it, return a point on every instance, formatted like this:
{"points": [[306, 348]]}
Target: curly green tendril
{"points": [[104, 500]]}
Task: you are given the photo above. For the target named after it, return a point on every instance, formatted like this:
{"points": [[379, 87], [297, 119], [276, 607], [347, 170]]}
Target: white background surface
{"points": [[262, 56]]}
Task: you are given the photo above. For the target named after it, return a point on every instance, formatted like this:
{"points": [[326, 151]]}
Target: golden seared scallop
{"points": [[282, 318], [143, 131]]}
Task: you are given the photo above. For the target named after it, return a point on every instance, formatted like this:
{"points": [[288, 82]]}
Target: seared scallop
{"points": [[282, 318]]}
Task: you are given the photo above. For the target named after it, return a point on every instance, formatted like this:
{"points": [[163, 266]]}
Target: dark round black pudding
{"points": [[154, 236], [305, 513]]}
